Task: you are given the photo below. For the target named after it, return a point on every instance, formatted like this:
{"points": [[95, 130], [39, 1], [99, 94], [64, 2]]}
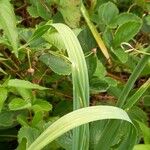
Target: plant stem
{"points": [[95, 33], [28, 55], [12, 70]]}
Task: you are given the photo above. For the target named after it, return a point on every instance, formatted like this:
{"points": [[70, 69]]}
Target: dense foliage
{"points": [[74, 74]]}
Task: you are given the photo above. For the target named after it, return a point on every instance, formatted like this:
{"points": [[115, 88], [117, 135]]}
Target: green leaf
{"points": [[70, 10], [65, 141], [146, 100], [77, 118], [111, 82], [80, 81], [38, 117], [98, 85], [136, 96], [38, 33], [32, 11], [100, 71], [39, 8], [3, 96], [18, 104], [54, 38], [24, 84], [87, 40], [7, 119], [136, 113], [127, 17], [41, 105], [141, 3], [108, 132], [26, 94], [22, 120], [91, 62], [57, 63], [126, 32], [120, 53], [147, 19], [142, 147], [22, 144], [108, 37], [8, 24], [43, 10], [28, 133], [145, 131], [128, 138], [96, 129], [130, 83], [107, 13]]}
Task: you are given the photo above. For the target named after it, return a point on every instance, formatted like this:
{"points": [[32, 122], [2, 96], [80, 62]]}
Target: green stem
{"points": [[95, 32]]}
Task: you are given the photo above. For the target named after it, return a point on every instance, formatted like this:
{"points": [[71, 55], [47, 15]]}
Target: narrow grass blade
{"points": [[106, 139], [75, 119], [135, 98], [129, 85]]}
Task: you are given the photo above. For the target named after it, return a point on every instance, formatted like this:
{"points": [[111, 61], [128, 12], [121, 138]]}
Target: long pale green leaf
{"points": [[8, 23], [75, 119], [80, 82], [94, 32]]}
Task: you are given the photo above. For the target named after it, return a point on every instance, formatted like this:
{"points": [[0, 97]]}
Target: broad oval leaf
{"points": [[75, 119], [18, 104], [127, 17], [8, 118], [39, 9], [57, 63], [107, 13], [67, 7], [41, 105], [126, 32]]}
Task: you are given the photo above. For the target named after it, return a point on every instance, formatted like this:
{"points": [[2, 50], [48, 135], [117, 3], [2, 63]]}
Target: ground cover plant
{"points": [[74, 74]]}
